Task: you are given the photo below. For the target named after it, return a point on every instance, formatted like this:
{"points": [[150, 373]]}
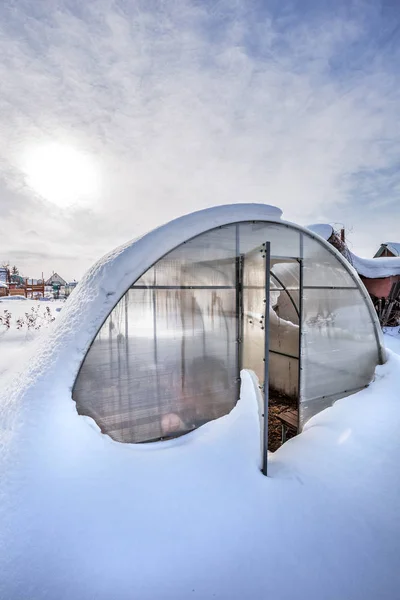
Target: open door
{"points": [[270, 320]]}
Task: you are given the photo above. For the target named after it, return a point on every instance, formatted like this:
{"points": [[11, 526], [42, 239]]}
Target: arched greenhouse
{"points": [[207, 295]]}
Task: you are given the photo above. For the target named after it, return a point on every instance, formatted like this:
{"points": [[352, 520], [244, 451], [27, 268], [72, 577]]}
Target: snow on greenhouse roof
{"points": [[323, 230], [371, 268]]}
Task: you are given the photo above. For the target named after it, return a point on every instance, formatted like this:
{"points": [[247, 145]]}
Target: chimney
{"points": [[343, 235]]}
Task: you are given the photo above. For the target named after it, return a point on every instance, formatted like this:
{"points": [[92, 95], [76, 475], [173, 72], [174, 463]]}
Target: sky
{"points": [[117, 116]]}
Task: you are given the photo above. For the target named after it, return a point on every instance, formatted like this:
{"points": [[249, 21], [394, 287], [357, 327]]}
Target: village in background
{"points": [[16, 287]]}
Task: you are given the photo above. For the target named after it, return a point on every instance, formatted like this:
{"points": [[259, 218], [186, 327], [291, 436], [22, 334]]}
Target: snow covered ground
{"points": [[392, 339], [84, 517], [15, 342]]}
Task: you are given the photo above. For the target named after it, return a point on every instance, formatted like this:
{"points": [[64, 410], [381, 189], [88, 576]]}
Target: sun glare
{"points": [[61, 174]]}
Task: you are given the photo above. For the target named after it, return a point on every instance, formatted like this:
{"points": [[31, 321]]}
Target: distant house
{"points": [[4, 281], [4, 275], [388, 249], [55, 279], [3, 289]]}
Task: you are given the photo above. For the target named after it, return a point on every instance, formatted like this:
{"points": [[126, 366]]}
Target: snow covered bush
{"points": [[5, 319], [35, 319], [32, 320]]}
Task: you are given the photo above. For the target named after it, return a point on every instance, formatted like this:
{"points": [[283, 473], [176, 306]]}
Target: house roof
{"points": [[55, 277], [393, 247], [376, 268]]}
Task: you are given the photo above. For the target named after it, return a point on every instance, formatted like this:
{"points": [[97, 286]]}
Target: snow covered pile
{"points": [[12, 298], [372, 268], [324, 230]]}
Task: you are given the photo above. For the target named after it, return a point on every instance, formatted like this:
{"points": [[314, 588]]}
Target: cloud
{"points": [[183, 105]]}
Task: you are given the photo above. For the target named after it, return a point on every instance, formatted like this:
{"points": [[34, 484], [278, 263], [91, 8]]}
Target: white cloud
{"points": [[179, 113]]}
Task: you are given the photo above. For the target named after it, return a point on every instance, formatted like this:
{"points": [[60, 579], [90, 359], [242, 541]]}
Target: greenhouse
{"points": [[209, 294]]}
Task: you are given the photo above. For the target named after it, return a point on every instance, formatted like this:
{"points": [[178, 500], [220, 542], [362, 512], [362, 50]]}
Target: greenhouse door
{"points": [[270, 339], [252, 312]]}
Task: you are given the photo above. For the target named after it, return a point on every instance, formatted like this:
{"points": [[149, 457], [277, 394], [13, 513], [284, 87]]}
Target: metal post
{"points": [[129, 393], [301, 293], [155, 296], [239, 287], [266, 354]]}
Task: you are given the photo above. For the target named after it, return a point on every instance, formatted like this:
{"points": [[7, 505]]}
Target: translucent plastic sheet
{"points": [[163, 364], [321, 268], [284, 240], [284, 327], [253, 307], [339, 349], [207, 260]]}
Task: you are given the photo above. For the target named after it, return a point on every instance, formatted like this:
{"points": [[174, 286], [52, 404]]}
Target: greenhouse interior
{"points": [[168, 357]]}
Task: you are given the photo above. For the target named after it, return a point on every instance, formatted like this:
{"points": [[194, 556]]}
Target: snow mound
{"points": [[323, 230], [16, 297]]}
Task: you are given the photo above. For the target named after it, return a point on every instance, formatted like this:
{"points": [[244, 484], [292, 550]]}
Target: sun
{"points": [[61, 174]]}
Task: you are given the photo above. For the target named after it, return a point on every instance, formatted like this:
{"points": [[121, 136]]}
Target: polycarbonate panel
{"points": [[163, 364], [166, 360], [147, 279], [284, 327], [208, 260], [321, 268], [287, 272], [253, 311], [285, 241], [285, 282], [339, 349]]}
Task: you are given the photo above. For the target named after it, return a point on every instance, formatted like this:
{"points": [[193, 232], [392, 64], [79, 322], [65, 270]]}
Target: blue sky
{"points": [[117, 116]]}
